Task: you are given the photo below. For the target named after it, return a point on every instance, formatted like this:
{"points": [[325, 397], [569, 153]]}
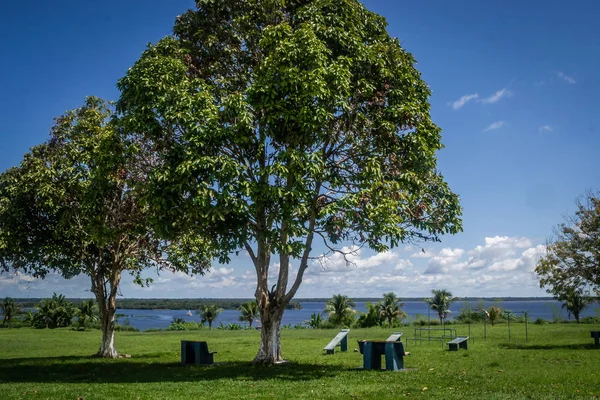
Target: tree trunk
{"points": [[106, 296], [269, 351], [107, 318]]}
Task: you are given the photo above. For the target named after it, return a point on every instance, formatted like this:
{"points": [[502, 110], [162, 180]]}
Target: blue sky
{"points": [[516, 91]]}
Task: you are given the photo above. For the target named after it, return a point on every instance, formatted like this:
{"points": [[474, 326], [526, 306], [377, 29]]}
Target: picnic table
{"points": [[372, 350]]}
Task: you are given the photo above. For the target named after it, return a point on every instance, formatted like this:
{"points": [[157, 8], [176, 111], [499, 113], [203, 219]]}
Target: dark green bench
{"points": [[340, 339], [596, 336], [459, 342], [193, 352]]}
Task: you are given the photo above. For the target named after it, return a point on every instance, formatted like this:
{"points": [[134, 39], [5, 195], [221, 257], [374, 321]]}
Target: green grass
{"points": [[559, 361]]}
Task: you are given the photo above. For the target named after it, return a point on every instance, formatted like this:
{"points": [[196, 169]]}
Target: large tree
{"points": [[277, 123], [70, 207], [571, 263]]}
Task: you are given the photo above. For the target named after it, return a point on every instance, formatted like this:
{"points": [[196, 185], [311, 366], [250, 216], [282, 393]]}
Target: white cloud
{"points": [[444, 261], [525, 263], [219, 272], [496, 96], [545, 128], [499, 247], [458, 104], [249, 274], [569, 79], [403, 265], [224, 283], [495, 125], [352, 259], [423, 253], [386, 257]]}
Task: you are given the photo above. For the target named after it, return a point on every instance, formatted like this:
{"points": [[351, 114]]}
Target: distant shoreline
{"points": [[304, 300]]}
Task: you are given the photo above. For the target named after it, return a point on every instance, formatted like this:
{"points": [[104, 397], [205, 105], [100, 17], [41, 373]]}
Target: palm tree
{"points": [[249, 312], [440, 302], [56, 312], [9, 309], [86, 312], [575, 302], [493, 314], [340, 309], [315, 321], [390, 308], [209, 314]]}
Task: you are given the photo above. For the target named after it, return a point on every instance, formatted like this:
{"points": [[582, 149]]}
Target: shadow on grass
{"points": [[73, 369], [581, 346]]}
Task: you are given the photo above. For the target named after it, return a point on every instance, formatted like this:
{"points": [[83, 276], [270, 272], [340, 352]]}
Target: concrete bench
{"points": [[596, 336], [340, 339], [459, 342], [193, 352], [394, 337]]}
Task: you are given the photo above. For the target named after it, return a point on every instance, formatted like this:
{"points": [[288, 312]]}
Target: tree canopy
{"points": [[277, 123], [571, 263], [70, 207]]}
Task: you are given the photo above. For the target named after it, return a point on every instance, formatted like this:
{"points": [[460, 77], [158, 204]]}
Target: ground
{"points": [[559, 361]]}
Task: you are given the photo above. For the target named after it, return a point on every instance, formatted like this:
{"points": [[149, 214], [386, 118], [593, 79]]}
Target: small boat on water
{"points": [[189, 313]]}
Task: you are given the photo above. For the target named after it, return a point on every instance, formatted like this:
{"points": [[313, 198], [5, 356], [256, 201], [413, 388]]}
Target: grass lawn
{"points": [[558, 362]]}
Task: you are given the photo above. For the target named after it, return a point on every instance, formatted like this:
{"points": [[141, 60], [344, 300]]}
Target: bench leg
{"points": [[344, 344], [206, 359], [370, 359], [183, 352], [393, 360]]}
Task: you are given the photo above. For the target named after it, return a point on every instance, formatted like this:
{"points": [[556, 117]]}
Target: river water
{"points": [[152, 319]]}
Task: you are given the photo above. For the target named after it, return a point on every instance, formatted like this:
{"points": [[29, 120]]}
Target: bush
{"points": [[230, 326], [125, 328], [422, 320], [590, 320], [540, 321], [185, 326], [467, 314]]}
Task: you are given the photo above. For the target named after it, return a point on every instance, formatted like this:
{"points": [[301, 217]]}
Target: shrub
{"points": [[590, 320], [423, 320], [230, 326], [125, 328], [185, 326]]}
